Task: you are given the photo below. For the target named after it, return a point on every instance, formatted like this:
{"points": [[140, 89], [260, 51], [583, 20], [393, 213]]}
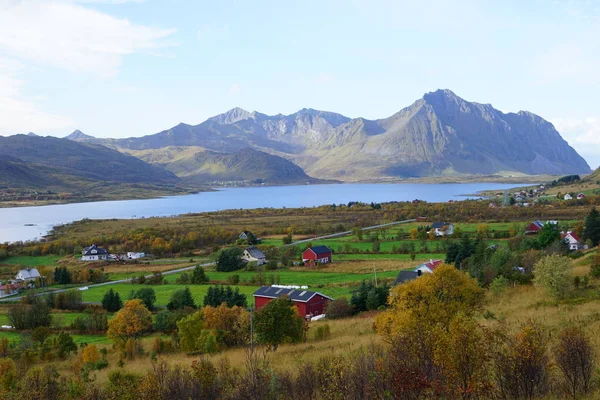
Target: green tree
{"points": [[199, 277], [229, 260], [591, 227], [181, 299], [147, 295], [279, 322], [548, 235], [111, 301], [369, 297], [165, 321], [188, 330], [217, 295], [554, 274], [65, 344]]}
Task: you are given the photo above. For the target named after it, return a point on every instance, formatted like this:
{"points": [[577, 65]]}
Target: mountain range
{"points": [[440, 134]]}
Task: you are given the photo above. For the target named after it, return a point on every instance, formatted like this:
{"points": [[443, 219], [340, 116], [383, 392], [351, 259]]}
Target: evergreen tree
{"points": [[147, 295], [229, 260], [217, 295], [591, 227], [181, 299], [199, 276], [62, 276], [111, 301]]}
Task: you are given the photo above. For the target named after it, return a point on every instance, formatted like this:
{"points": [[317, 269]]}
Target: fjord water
{"points": [[13, 221]]}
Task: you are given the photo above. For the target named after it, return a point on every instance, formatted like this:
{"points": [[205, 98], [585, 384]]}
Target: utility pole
{"points": [[375, 272]]}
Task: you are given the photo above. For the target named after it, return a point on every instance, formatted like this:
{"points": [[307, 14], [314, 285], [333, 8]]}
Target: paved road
{"points": [[178, 270], [173, 271], [334, 235]]}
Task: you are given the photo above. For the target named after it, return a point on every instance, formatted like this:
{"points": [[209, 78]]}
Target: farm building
{"points": [[308, 303], [442, 228], [534, 227], [406, 276], [428, 267], [318, 254], [253, 254]]}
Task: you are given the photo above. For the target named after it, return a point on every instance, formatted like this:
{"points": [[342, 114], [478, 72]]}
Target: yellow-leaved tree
{"points": [[132, 321], [90, 354]]}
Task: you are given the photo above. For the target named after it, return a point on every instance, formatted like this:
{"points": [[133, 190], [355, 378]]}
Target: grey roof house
{"points": [[29, 274], [253, 254]]}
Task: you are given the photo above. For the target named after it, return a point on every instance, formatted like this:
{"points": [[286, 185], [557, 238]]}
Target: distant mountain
{"points": [[47, 161], [198, 165], [595, 176], [79, 136], [439, 134]]}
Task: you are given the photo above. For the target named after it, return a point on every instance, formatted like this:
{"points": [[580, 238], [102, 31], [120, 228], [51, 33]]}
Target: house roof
{"points": [[99, 251], [538, 223], [29, 273], [299, 295], [573, 235], [432, 265], [405, 276], [318, 250], [438, 225], [255, 252]]}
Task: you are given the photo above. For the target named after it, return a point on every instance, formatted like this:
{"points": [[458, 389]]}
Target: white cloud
{"points": [[72, 37], [235, 88], [21, 115], [583, 135]]}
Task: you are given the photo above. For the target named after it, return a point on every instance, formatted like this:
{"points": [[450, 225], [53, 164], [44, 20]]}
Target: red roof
{"points": [[433, 264], [574, 236]]}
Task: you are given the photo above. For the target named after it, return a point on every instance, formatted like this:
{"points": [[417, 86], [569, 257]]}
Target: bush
{"points": [[576, 360], [499, 285], [322, 332], [554, 274], [233, 279], [181, 299]]}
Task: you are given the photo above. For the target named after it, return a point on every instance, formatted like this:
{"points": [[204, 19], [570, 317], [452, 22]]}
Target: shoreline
{"points": [[428, 180]]}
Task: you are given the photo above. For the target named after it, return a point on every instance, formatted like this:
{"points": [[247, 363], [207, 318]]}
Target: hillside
{"points": [[67, 157], [438, 135], [198, 165]]}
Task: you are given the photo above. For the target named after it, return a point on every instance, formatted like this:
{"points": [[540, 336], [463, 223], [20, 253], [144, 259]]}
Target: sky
{"points": [[122, 68]]}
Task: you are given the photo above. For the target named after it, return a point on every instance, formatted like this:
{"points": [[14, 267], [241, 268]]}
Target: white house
{"points": [[253, 254], [572, 240], [134, 256], [568, 197], [94, 253], [27, 275], [442, 228], [428, 267]]}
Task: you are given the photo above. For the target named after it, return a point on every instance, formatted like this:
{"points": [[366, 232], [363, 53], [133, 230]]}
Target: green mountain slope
{"points": [[34, 157], [197, 165]]}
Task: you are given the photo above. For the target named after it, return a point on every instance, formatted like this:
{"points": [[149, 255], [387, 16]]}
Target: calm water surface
{"points": [[13, 220]]}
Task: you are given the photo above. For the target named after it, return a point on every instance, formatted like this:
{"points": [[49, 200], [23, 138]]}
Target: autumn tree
{"points": [[433, 300], [90, 354], [132, 321], [483, 231], [554, 274], [576, 360], [279, 322], [231, 325]]}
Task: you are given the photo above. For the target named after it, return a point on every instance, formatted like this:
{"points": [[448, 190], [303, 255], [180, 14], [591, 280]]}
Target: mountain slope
{"points": [[84, 161], [439, 134], [197, 165]]}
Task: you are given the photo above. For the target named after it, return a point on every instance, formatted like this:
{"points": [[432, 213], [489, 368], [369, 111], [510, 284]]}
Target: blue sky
{"points": [[119, 68]]}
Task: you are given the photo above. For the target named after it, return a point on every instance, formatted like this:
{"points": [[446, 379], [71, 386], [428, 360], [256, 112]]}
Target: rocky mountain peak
{"points": [[78, 135], [232, 116]]}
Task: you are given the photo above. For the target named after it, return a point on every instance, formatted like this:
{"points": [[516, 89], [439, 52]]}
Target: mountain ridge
{"points": [[439, 134]]}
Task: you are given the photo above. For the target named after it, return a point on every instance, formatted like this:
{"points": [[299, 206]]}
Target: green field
{"points": [[312, 279], [31, 261], [96, 339], [64, 319]]}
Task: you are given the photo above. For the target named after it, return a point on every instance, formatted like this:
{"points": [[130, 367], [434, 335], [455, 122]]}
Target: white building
{"points": [[27, 275], [253, 254], [94, 253], [442, 228], [134, 256]]}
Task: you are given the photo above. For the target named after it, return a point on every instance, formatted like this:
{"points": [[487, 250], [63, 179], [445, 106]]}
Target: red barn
{"points": [[534, 227], [318, 254], [308, 303]]}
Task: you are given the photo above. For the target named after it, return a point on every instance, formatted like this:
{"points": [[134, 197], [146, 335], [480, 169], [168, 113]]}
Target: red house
{"points": [[318, 254], [308, 303]]}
